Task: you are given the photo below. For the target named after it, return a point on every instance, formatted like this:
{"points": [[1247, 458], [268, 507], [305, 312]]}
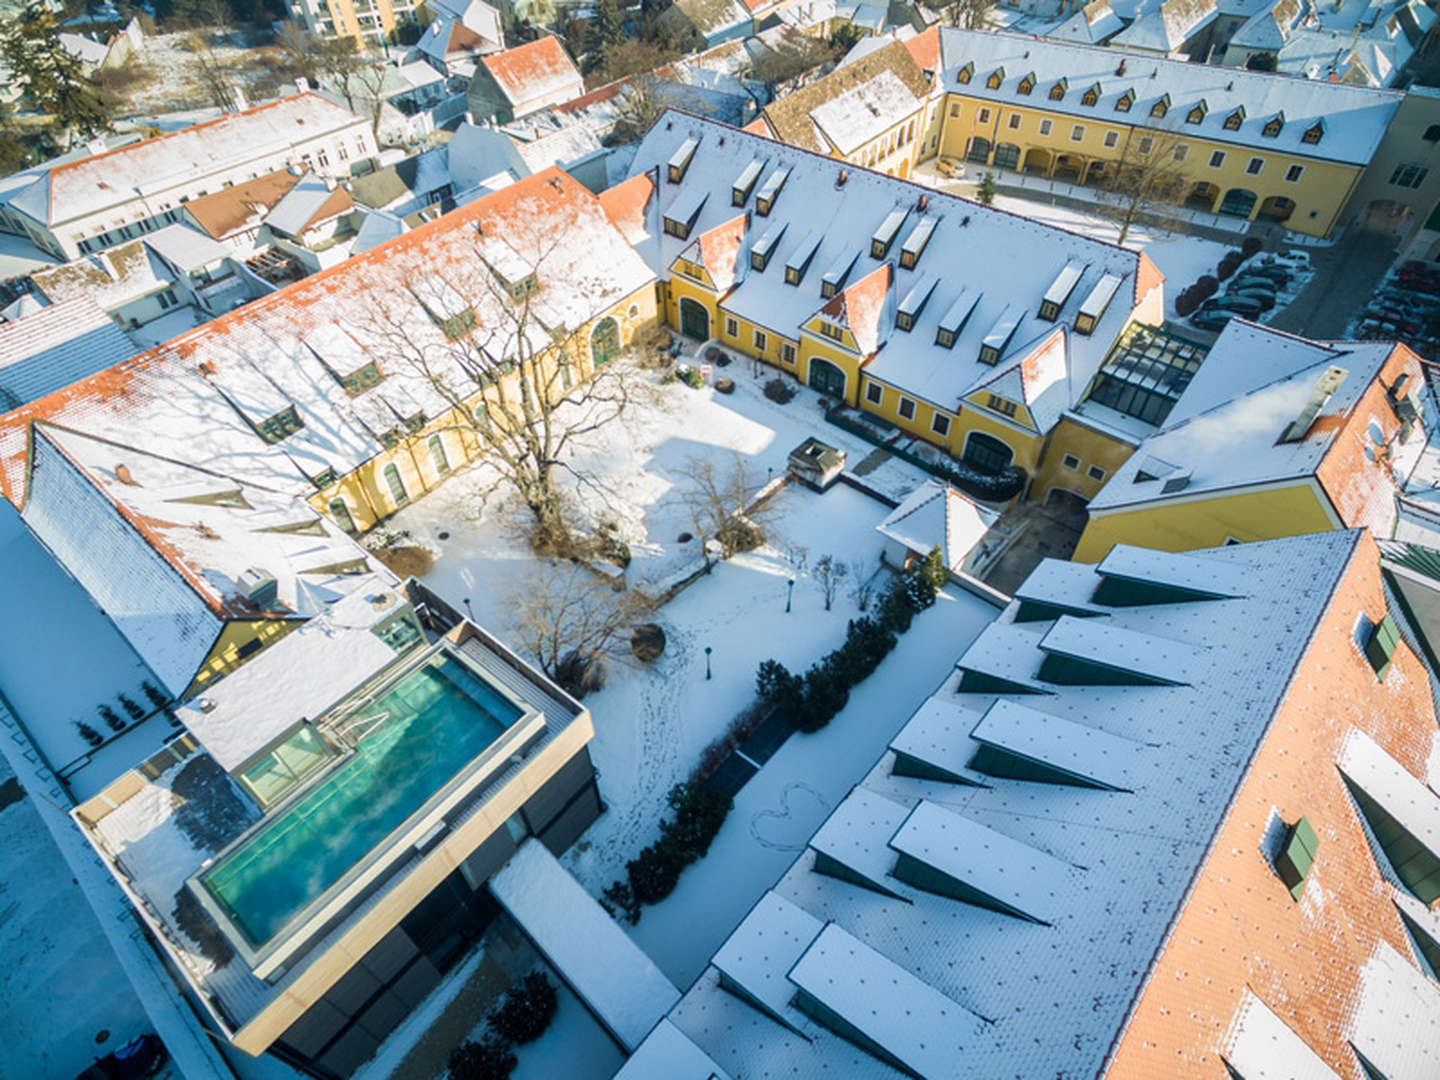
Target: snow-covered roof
{"points": [[607, 970], [936, 515], [856, 837], [1103, 644], [310, 202], [756, 958], [538, 69], [1108, 869], [185, 248], [86, 49], [1354, 118], [666, 1054], [52, 347], [319, 664], [1002, 259], [1225, 431], [851, 119], [1167, 27], [111, 278], [292, 347], [936, 735], [92, 184], [1394, 1024], [1263, 1047]]}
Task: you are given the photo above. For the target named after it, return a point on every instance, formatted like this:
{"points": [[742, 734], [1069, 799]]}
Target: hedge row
{"points": [[812, 700], [699, 811]]}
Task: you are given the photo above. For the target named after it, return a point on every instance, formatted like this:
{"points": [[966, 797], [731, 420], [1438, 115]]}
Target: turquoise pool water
{"points": [[440, 717]]}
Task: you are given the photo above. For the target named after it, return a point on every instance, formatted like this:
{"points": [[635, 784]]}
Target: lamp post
{"points": [[707, 661], [789, 592], [468, 612]]}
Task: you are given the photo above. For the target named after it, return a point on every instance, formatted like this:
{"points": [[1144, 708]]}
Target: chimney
{"points": [[844, 175], [922, 202], [302, 84], [122, 473], [1120, 69], [1325, 387], [259, 587]]}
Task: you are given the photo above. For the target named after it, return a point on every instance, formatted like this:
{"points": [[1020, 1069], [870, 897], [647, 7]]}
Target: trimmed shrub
{"points": [[866, 644], [739, 534], [934, 569], [896, 611], [1206, 286], [1228, 265], [488, 1059], [779, 391], [655, 872], [526, 1011], [1186, 302], [776, 685], [1251, 245], [993, 487], [825, 695], [111, 718], [700, 810], [920, 591], [88, 733], [133, 708]]}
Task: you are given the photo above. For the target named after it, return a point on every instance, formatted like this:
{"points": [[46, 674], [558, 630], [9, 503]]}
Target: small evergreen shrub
{"points": [[779, 391], [1186, 302], [655, 872], [488, 1059], [1206, 286], [88, 733], [776, 685], [526, 1011], [1228, 265], [690, 376], [132, 707], [825, 695], [111, 718], [700, 810]]}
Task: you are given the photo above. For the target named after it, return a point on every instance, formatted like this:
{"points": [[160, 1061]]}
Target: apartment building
{"points": [[959, 324], [1276, 435], [1131, 839], [370, 22], [81, 207]]}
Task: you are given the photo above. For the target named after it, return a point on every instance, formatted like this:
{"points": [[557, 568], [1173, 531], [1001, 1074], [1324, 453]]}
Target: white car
{"points": [[1294, 259]]}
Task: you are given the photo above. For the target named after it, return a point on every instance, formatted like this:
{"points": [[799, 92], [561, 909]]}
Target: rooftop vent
{"points": [[842, 177], [1324, 389], [123, 474], [1120, 68], [259, 587]]}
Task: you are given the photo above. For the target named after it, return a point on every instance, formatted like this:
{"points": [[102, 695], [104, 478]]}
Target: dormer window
{"points": [[745, 183], [832, 331], [916, 241], [1197, 114], [1274, 126], [769, 190], [765, 247], [281, 426], [1314, 133], [966, 73], [1125, 100], [837, 274], [996, 78], [363, 378], [1235, 119], [1026, 84], [1091, 96], [955, 317], [914, 303], [456, 326], [1060, 290], [800, 259], [524, 288], [885, 235], [680, 160], [1057, 92], [1161, 107], [680, 218]]}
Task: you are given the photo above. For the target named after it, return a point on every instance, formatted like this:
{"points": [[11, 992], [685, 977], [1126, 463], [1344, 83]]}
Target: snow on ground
{"points": [[575, 1046], [60, 983]]}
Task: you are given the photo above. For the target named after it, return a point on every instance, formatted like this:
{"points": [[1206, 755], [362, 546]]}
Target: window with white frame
{"points": [[1181, 152], [907, 408], [1070, 461], [1145, 145], [1095, 472], [1045, 127], [1077, 133], [1253, 167], [761, 341], [983, 117], [1111, 138], [874, 393], [1217, 158], [1014, 121], [732, 328], [940, 424], [787, 353], [1293, 173]]}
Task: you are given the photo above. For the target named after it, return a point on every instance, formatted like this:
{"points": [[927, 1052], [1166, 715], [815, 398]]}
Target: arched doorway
{"points": [[986, 452], [694, 319], [1276, 208], [1201, 197], [826, 377], [1037, 161], [1068, 167], [605, 340], [978, 151], [1007, 156], [1238, 202], [1095, 173]]}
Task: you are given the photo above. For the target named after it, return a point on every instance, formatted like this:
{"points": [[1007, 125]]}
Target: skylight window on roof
{"points": [[799, 260], [910, 1025], [1021, 743], [365, 377], [884, 236], [1087, 652], [1135, 576], [680, 160], [681, 216], [1297, 856], [914, 302], [1146, 373], [740, 190], [1060, 290], [943, 852], [955, 317], [1002, 660], [852, 845], [914, 245], [755, 960], [835, 276], [934, 743], [765, 246], [1378, 641], [770, 190], [1403, 814], [1094, 305], [282, 425], [1000, 333]]}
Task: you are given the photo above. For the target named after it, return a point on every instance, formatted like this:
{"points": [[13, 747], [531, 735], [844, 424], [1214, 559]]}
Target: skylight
{"points": [[1088, 652], [1026, 744], [851, 845], [915, 243], [755, 959], [1403, 814], [680, 160]]}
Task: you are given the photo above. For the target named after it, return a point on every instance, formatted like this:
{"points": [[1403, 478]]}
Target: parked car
{"points": [[1251, 281], [1239, 305], [953, 169], [1211, 320], [1278, 274], [136, 1060], [1293, 259], [1263, 297]]}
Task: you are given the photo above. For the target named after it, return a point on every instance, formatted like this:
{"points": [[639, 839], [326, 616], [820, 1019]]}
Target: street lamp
{"points": [[707, 661], [789, 592], [467, 609]]}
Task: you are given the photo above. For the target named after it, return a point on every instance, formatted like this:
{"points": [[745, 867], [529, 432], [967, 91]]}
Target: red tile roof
{"points": [[230, 209], [719, 247], [859, 306], [530, 70], [924, 49], [625, 205]]}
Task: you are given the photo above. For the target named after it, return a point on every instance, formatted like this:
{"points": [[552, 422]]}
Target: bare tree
{"points": [[571, 621], [720, 500], [830, 572], [862, 583], [491, 337], [1148, 174], [640, 102], [966, 14], [789, 58]]}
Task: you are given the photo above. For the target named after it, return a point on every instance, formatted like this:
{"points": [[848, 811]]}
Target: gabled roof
{"points": [[234, 209], [1167, 27], [534, 70], [627, 205], [860, 308], [936, 515], [55, 346], [720, 249], [290, 348], [310, 202], [1355, 118], [112, 278]]}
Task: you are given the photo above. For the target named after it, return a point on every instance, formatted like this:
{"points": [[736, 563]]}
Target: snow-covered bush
{"points": [[488, 1059], [526, 1011]]}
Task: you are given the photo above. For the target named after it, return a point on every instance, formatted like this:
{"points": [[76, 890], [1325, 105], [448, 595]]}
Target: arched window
{"points": [[396, 485], [986, 452], [437, 455], [340, 514]]}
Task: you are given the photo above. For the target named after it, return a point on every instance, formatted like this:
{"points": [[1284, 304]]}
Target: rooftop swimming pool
{"points": [[414, 739]]}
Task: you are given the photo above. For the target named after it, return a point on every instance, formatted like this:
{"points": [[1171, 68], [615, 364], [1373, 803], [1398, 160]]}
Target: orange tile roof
{"points": [[859, 306], [924, 49], [230, 209], [1147, 277], [527, 71], [719, 247], [626, 202]]}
